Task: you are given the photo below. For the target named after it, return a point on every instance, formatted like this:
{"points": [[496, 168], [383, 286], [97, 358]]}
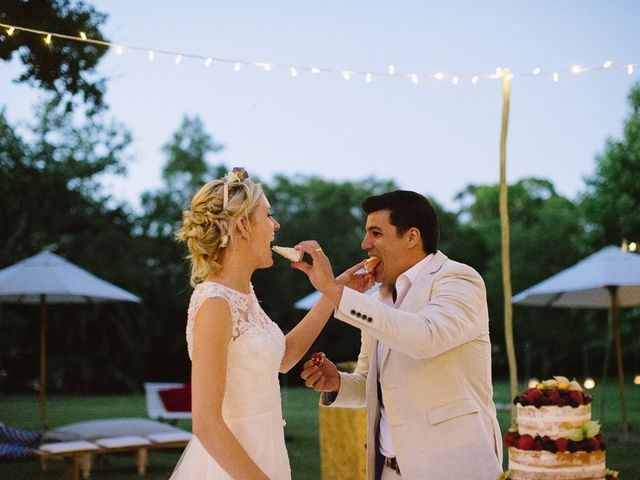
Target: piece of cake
{"points": [[289, 253], [553, 436], [371, 263]]}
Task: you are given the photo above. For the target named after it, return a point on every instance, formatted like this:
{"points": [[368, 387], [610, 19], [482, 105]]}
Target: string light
{"points": [[347, 74]]}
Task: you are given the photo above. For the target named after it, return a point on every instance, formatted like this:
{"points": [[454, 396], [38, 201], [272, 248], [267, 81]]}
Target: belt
{"points": [[392, 463]]}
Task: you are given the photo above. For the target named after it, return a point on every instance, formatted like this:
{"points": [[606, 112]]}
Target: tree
{"points": [[52, 198], [66, 68], [611, 203], [189, 164], [546, 236]]}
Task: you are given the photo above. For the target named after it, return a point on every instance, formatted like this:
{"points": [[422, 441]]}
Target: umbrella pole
{"points": [[43, 362], [605, 367], [616, 335]]}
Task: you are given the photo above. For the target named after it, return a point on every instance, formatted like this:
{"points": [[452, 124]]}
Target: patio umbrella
{"points": [[609, 278], [45, 279]]}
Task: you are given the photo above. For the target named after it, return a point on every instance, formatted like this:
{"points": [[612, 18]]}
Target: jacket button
{"points": [[370, 319], [359, 315], [353, 312]]}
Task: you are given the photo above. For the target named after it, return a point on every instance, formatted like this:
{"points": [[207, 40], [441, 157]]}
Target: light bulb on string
{"points": [[346, 75], [178, 59], [293, 72], [151, 56], [438, 76], [10, 30], [392, 70], [455, 79], [607, 64], [475, 79], [47, 39], [536, 71], [119, 50], [414, 78], [630, 69], [315, 70], [368, 78], [577, 69], [83, 35], [208, 62], [236, 67], [556, 77]]}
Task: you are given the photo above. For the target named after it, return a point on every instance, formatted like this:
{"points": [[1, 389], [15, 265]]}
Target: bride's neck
{"points": [[236, 273]]}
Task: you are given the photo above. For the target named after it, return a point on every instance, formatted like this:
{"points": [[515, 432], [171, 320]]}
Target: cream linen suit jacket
{"points": [[435, 376]]}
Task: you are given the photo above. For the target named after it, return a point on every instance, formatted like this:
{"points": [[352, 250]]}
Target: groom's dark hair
{"points": [[407, 210]]}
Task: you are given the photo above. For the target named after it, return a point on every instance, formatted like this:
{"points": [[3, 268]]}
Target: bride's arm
{"points": [[211, 335], [299, 339], [305, 332]]}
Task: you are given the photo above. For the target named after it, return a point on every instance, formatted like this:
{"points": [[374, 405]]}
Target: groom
{"points": [[424, 369]]}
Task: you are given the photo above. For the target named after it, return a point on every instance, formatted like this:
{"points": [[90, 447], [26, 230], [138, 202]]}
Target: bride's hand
{"points": [[361, 282]]}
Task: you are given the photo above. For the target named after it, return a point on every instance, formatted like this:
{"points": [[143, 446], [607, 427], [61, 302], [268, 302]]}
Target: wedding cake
{"points": [[553, 436]]}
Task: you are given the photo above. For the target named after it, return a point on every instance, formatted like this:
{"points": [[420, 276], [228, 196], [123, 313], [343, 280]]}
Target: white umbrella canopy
{"points": [[58, 280], [47, 278], [609, 278], [586, 284]]}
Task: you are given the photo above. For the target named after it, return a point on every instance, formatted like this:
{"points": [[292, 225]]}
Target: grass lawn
{"points": [[300, 411]]}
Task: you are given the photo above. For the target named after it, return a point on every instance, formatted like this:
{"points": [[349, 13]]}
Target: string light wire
{"points": [[294, 70]]}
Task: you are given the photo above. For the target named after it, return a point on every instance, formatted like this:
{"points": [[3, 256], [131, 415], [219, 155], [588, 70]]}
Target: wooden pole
{"points": [[43, 362], [504, 230]]}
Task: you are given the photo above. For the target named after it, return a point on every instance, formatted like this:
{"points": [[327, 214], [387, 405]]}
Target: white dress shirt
{"points": [[403, 284]]}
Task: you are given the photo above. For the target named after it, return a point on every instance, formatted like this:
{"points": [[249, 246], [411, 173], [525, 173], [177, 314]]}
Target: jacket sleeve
{"points": [[352, 393], [455, 314]]}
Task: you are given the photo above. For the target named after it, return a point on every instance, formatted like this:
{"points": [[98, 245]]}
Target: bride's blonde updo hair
{"points": [[208, 226]]}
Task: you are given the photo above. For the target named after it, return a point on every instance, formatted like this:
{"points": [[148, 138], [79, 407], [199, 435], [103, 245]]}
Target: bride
{"points": [[236, 351]]}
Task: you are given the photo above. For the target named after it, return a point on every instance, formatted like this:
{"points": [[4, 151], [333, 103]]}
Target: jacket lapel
{"points": [[415, 294]]}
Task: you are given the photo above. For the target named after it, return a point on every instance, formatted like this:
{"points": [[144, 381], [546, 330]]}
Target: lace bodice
{"points": [[245, 309]]}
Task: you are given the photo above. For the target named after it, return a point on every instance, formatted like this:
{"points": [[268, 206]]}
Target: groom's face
{"points": [[382, 240]]}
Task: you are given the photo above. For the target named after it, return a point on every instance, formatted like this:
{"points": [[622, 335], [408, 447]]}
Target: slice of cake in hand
{"points": [[371, 263], [289, 253]]}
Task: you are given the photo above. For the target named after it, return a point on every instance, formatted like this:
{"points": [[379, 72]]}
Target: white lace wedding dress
{"points": [[252, 406]]}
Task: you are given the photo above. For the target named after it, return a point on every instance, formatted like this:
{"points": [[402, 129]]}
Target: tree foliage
{"points": [[66, 68]]}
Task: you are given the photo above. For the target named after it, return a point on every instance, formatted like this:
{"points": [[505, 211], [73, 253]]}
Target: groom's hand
{"points": [[321, 374]]}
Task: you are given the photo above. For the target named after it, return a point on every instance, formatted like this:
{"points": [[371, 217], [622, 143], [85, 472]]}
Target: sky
{"points": [[435, 137]]}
